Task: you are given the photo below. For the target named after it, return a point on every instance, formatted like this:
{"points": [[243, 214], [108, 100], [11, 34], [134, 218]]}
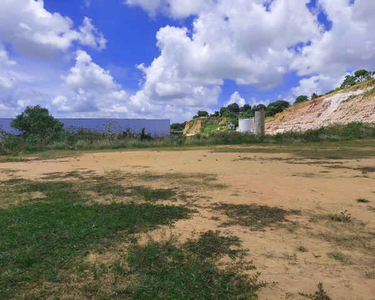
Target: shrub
{"points": [[36, 123]]}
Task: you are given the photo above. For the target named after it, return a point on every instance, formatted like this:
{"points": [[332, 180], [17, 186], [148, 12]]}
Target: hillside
{"points": [[355, 104], [205, 125]]}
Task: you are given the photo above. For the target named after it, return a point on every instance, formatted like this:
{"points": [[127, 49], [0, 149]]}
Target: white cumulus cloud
{"points": [[89, 88], [236, 98], [34, 31]]}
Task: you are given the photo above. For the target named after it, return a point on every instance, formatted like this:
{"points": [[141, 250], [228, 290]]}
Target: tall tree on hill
{"points": [[245, 108], [234, 108], [202, 113], [362, 75], [348, 82], [314, 95], [301, 99], [258, 107], [276, 107], [223, 110]]}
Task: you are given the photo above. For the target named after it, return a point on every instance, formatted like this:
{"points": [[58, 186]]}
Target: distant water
{"points": [[155, 127]]}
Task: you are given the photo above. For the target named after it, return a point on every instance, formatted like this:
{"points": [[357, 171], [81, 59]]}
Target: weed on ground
{"points": [[364, 170], [302, 249], [257, 217], [346, 232], [321, 294], [344, 216], [341, 257], [362, 200]]}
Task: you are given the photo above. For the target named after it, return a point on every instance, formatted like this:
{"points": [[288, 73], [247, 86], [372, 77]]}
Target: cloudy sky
{"points": [[170, 58]]}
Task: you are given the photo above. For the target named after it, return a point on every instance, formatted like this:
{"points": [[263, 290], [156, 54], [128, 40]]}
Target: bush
{"points": [[35, 123]]}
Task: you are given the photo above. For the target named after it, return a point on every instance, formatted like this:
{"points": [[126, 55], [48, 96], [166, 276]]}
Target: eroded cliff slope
{"points": [[356, 104]]}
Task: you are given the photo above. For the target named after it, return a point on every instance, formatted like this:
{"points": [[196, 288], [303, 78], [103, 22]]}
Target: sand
{"points": [[264, 179]]}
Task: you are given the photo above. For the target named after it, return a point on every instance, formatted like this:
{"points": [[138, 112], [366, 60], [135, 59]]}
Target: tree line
{"points": [[233, 111], [349, 81]]}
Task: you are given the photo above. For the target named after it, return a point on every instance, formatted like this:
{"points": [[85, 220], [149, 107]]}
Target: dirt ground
{"points": [[265, 179]]}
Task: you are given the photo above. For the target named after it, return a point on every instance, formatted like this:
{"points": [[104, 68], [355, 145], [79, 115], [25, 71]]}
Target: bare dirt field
{"points": [[325, 234]]}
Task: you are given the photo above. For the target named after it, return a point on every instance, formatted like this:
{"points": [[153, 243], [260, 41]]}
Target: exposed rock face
{"points": [[356, 104], [197, 125], [193, 127]]}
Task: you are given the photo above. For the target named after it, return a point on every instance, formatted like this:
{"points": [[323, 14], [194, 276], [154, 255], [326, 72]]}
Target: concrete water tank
{"points": [[246, 125]]}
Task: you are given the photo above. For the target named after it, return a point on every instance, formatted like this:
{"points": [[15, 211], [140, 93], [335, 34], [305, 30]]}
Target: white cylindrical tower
{"points": [[246, 125]]}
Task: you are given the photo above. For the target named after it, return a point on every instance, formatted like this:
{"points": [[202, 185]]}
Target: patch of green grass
{"points": [[8, 171], [257, 217], [166, 271], [177, 176], [7, 159], [40, 241], [321, 294], [210, 128], [371, 208], [362, 200], [211, 245], [13, 181], [341, 257], [63, 175], [105, 188], [157, 194], [203, 180]]}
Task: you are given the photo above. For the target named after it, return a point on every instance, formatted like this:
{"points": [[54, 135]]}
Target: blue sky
{"points": [[169, 58]]}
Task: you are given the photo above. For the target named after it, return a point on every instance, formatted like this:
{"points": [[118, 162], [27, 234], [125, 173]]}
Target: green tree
{"points": [[301, 99], [348, 82], [223, 110], [314, 95], [202, 113], [234, 108], [276, 107], [258, 107], [38, 122], [217, 113], [362, 75], [245, 108], [248, 114], [178, 126]]}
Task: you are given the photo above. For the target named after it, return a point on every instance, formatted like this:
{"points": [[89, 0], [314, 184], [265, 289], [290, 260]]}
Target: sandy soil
{"points": [[313, 189]]}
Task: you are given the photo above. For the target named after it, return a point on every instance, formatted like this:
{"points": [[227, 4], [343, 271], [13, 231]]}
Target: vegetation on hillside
{"points": [[233, 111], [82, 139], [349, 81]]}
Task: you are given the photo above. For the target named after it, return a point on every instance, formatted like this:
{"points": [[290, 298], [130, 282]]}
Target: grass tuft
{"points": [[257, 217], [321, 294], [361, 200], [341, 257], [344, 216], [302, 249], [166, 271]]}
